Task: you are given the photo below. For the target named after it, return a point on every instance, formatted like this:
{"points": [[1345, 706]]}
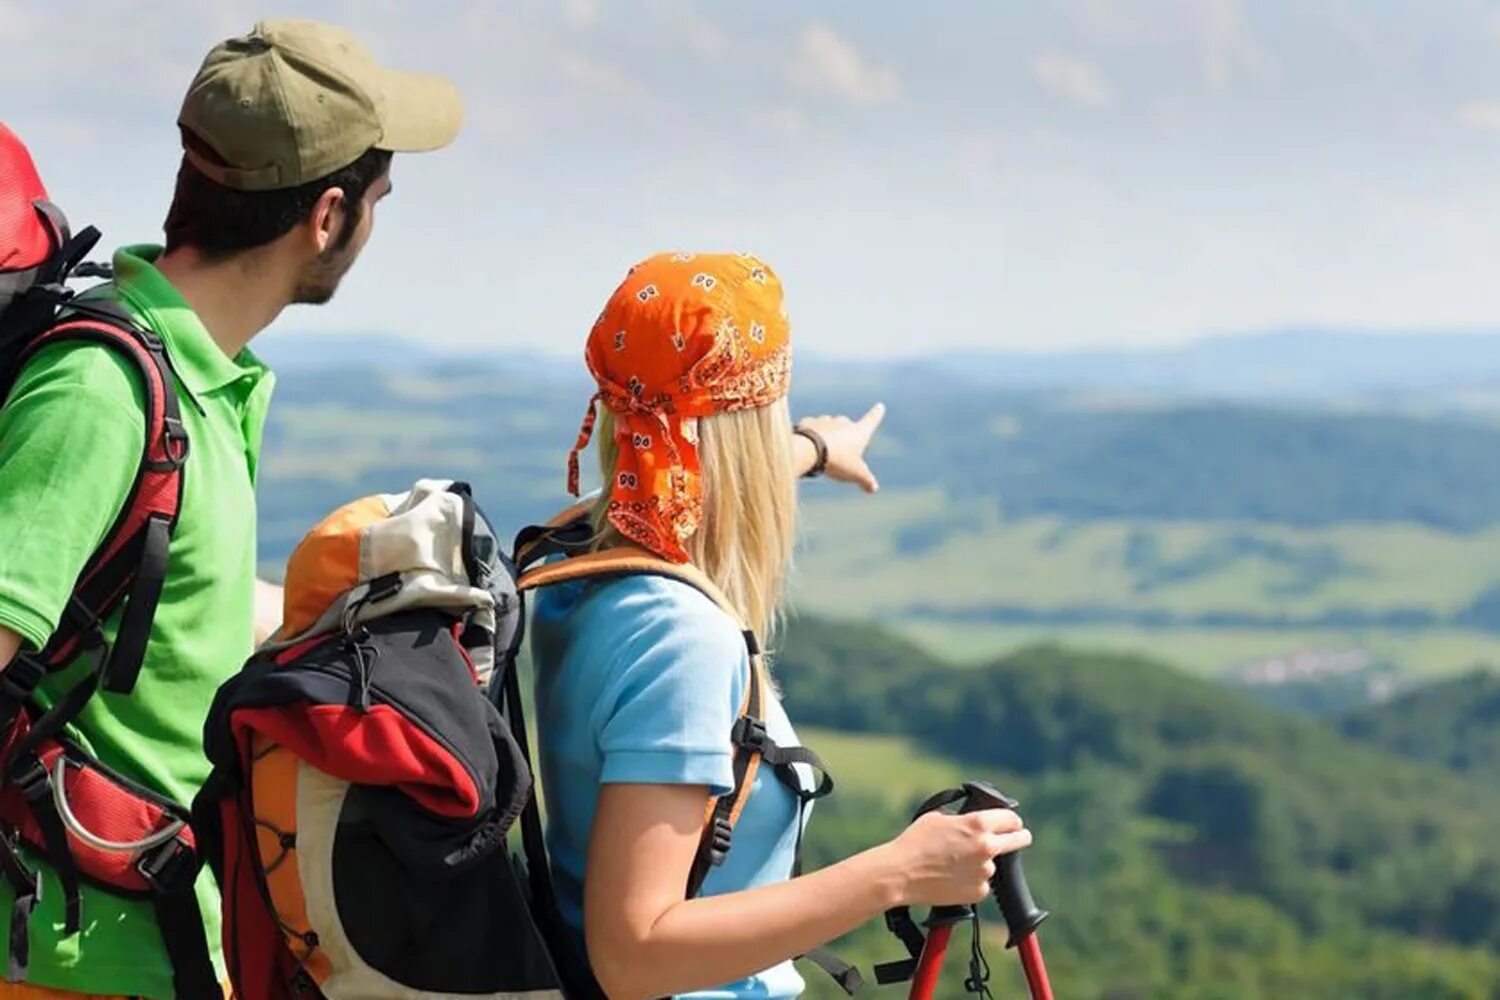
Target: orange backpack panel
{"points": [[273, 790]]}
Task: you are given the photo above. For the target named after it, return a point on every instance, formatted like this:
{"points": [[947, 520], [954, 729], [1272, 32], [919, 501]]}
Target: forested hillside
{"points": [[1453, 723], [1210, 535], [1193, 842]]}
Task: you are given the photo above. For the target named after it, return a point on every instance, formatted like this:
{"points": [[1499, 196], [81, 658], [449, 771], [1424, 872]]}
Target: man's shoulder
{"points": [[76, 373]]}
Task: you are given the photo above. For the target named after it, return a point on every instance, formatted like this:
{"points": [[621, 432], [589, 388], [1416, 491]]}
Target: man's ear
{"points": [[326, 220]]}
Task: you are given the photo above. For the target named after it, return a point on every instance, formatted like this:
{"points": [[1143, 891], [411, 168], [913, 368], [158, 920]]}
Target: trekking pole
{"points": [[1010, 891]]}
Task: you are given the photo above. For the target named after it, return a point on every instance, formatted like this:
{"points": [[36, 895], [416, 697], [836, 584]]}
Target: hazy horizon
{"points": [[1074, 172]]}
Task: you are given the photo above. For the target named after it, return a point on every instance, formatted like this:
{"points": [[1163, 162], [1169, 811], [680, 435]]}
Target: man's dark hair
{"points": [[220, 221]]}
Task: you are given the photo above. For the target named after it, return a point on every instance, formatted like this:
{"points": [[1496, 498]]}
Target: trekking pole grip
{"points": [[1022, 915]]}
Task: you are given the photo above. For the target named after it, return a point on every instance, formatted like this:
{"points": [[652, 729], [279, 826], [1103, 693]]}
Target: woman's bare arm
{"points": [[645, 940]]}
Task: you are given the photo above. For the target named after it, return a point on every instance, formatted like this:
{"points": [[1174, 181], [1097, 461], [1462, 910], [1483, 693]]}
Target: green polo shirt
{"points": [[70, 440]]}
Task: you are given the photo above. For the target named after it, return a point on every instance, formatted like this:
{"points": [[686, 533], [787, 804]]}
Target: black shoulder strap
{"points": [[724, 812], [172, 869], [569, 534]]}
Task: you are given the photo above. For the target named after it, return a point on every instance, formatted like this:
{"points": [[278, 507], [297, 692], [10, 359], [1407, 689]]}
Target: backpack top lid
{"points": [[429, 547], [27, 236]]}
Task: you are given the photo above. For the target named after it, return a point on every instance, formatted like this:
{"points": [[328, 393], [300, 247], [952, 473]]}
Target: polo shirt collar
{"points": [[199, 361]]}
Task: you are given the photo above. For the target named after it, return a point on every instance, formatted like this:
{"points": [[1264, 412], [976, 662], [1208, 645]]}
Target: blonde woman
{"points": [[641, 678]]}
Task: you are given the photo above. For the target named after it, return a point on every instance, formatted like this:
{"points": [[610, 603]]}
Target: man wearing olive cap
{"points": [[287, 137], [288, 133]]}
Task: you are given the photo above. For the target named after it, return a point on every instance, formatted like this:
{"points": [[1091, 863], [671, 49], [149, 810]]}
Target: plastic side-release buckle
{"points": [[167, 867], [19, 680], [749, 733], [28, 775]]}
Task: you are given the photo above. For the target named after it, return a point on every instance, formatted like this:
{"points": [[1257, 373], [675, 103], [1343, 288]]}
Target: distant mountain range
{"points": [[1292, 364]]}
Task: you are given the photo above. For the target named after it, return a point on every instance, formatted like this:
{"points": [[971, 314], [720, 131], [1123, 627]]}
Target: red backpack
{"points": [[89, 822]]}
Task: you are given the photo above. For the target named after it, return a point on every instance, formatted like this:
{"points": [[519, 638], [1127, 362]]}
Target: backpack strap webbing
{"points": [[555, 536], [720, 814], [752, 744], [130, 565], [125, 573]]}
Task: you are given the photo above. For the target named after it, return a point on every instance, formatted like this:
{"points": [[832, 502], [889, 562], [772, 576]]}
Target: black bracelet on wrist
{"points": [[820, 464]]}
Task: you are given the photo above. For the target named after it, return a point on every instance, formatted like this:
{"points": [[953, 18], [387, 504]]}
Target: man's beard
{"points": [[316, 285]]}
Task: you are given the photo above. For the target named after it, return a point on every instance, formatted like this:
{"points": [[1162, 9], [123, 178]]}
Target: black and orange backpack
{"points": [[371, 761]]}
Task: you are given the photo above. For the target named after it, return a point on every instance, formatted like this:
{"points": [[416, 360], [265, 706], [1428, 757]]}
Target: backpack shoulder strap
{"points": [[721, 814], [129, 567], [753, 746], [569, 529]]}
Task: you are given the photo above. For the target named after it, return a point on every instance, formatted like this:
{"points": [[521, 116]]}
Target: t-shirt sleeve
{"points": [[71, 437], [674, 689]]}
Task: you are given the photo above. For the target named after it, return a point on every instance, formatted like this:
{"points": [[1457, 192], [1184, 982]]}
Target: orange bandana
{"points": [[684, 336]]}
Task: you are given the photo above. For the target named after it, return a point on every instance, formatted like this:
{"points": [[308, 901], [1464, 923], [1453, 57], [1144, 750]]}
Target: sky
{"points": [[925, 177]]}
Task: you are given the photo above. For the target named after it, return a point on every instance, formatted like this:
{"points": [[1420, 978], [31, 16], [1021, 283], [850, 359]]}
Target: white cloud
{"points": [[780, 121], [1481, 115], [1378, 40], [1227, 47], [1216, 34], [581, 13], [16, 25], [595, 75], [828, 63], [1072, 78], [687, 21]]}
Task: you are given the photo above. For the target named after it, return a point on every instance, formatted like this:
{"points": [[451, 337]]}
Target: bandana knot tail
{"points": [[585, 433]]}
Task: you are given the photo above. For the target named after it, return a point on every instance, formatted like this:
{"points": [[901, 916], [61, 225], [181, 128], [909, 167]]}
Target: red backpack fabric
{"points": [[88, 821]]}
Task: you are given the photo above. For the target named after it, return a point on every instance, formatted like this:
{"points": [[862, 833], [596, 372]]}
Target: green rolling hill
{"points": [[1222, 538], [1192, 843]]}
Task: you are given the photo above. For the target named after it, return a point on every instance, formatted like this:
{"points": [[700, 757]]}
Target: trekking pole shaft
{"points": [[1035, 968], [930, 965]]}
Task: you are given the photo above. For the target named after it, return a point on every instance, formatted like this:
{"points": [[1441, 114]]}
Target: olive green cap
{"points": [[294, 101]]}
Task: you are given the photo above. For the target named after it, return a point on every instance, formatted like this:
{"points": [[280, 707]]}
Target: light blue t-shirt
{"points": [[639, 680]]}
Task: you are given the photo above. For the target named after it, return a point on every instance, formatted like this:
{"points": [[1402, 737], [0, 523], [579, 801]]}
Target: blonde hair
{"points": [[744, 541]]}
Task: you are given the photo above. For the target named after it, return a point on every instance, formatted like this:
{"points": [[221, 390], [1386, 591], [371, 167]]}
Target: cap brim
{"points": [[422, 111]]}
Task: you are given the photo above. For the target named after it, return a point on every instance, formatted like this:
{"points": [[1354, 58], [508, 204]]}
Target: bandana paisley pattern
{"points": [[684, 336]]}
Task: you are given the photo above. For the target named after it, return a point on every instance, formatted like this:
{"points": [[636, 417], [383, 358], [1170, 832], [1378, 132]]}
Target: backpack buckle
{"points": [[31, 778], [168, 867], [721, 835], [18, 681], [750, 733], [174, 444], [150, 338]]}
